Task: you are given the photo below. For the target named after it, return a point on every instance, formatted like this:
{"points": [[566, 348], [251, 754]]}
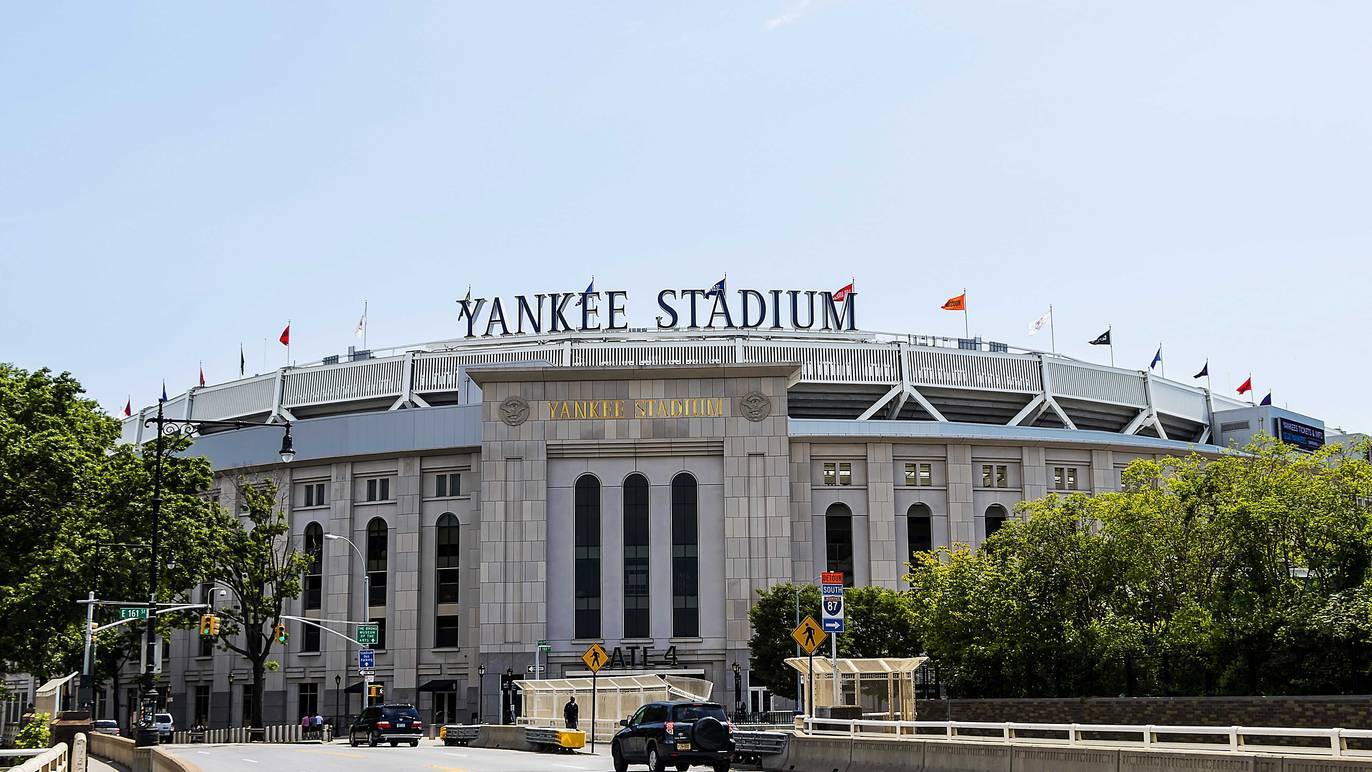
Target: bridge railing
{"points": [[1333, 742]]}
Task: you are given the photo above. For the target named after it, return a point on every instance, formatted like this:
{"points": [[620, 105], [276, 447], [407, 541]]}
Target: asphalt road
{"points": [[430, 755]]}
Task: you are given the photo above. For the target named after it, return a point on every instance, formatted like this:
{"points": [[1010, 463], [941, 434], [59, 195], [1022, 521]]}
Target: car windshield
{"points": [[163, 718], [400, 711], [697, 712], [106, 723]]}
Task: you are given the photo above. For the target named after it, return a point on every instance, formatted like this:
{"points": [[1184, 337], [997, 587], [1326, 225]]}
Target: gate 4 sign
{"points": [[831, 608], [809, 635]]}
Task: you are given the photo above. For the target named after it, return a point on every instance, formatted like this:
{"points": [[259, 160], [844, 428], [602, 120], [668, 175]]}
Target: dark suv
{"points": [[678, 734], [394, 724]]}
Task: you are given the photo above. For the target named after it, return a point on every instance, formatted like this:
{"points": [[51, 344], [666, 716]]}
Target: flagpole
{"points": [[966, 326], [264, 356], [1111, 330], [365, 322], [1252, 392], [1162, 360], [1052, 331]]}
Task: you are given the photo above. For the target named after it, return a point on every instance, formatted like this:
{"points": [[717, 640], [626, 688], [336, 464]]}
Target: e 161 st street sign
{"points": [[368, 635], [133, 612]]}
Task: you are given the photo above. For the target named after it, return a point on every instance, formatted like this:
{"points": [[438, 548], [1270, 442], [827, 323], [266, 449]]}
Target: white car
{"points": [[162, 722], [106, 726]]}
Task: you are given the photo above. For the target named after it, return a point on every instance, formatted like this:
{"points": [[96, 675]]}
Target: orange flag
{"points": [[958, 303]]}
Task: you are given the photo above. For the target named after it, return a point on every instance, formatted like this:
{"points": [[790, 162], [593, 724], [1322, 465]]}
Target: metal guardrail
{"points": [[1229, 739], [754, 743]]}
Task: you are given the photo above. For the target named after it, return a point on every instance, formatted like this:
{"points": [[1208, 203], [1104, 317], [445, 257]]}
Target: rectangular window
{"points": [[379, 489], [309, 638], [845, 474], [1002, 476], [247, 705], [376, 588], [446, 631], [831, 474], [926, 474], [1057, 478], [309, 699], [314, 494], [202, 705], [986, 475], [1071, 478], [587, 557], [685, 557], [911, 477], [447, 484], [637, 591]]}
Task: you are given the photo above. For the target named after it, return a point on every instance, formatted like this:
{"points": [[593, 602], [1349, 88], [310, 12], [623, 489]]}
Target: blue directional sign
{"points": [[831, 606], [366, 659]]}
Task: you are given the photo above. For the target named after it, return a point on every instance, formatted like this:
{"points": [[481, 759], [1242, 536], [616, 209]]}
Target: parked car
{"points": [[106, 726], [164, 725], [394, 724], [678, 733]]}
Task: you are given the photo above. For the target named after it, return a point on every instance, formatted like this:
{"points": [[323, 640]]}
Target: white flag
{"points": [[1040, 323], [361, 325]]}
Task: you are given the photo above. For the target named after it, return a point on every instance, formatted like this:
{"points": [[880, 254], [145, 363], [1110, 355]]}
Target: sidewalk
{"points": [[99, 765]]}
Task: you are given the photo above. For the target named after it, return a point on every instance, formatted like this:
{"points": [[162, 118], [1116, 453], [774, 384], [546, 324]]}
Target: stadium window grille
{"points": [[587, 556], [447, 484], [637, 597], [1002, 476], [447, 557], [1071, 478], [685, 557], [379, 489], [919, 527], [314, 494], [845, 474], [838, 541], [986, 475], [377, 538], [831, 474]]}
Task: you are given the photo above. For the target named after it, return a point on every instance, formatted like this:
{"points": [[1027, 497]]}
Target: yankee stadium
{"points": [[559, 476]]}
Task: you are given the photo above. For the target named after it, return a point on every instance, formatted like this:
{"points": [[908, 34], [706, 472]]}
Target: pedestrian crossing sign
{"points": [[595, 658], [809, 635]]}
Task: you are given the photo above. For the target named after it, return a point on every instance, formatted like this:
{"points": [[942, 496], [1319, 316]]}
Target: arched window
{"points": [[995, 518], [377, 538], [314, 573], [447, 556], [636, 592], [685, 557], [919, 528], [838, 541], [587, 556]]}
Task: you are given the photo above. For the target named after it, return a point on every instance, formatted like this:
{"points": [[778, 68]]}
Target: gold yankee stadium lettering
{"points": [[591, 409]]}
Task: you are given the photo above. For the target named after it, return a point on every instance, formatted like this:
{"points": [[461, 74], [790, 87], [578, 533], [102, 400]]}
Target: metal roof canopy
{"points": [[849, 666], [880, 685]]}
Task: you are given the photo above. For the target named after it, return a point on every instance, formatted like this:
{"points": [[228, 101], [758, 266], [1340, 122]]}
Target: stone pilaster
{"points": [[881, 517]]}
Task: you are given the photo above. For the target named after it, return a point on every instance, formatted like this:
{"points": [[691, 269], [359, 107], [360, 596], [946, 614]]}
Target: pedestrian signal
{"points": [[376, 691]]}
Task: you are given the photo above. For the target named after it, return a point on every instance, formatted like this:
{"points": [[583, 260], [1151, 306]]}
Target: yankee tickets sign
{"points": [[692, 309]]}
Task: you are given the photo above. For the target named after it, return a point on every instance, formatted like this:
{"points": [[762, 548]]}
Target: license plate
{"points": [[683, 746], [401, 725]]}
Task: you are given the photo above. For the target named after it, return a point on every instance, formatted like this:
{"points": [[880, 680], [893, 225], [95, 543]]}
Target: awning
{"points": [[439, 685], [356, 688]]}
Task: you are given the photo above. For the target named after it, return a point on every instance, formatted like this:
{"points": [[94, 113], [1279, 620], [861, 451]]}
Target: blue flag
{"points": [[1156, 359], [589, 289], [1267, 400], [718, 286], [164, 392]]}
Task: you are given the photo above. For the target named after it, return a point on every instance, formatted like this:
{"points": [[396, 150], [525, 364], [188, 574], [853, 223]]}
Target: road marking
{"points": [[250, 761]]}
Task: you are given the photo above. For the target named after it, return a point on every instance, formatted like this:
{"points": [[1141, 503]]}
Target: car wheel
{"points": [[394, 743], [722, 766], [682, 767], [373, 739], [655, 762], [615, 753], [414, 743], [352, 738]]}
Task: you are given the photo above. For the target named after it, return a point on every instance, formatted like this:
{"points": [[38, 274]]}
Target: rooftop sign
{"points": [[692, 309]]}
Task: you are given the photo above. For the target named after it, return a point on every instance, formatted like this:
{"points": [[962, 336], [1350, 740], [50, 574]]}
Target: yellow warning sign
{"points": [[809, 636], [595, 658]]}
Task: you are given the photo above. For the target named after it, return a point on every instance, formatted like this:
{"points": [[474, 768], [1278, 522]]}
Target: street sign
{"points": [[366, 659], [544, 646], [368, 635], [831, 606], [369, 678], [809, 635], [595, 658], [133, 612], [529, 669]]}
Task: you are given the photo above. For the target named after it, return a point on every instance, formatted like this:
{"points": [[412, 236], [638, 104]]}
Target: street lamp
{"points": [[337, 701], [738, 689], [175, 427], [508, 689], [480, 689]]}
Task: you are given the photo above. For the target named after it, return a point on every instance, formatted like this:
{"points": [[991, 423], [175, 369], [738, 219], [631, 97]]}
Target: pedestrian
{"points": [[570, 712], [318, 725], [305, 726]]}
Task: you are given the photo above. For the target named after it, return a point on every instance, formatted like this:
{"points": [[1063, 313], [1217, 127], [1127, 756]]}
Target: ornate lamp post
{"points": [[480, 689], [174, 427], [738, 689]]}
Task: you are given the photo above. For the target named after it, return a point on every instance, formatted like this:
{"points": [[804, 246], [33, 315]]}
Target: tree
{"points": [[255, 560]]}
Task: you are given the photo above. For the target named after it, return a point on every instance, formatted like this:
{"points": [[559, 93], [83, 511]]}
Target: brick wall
{"points": [[1348, 712]]}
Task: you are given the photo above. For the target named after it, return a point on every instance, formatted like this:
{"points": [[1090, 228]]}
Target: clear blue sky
{"points": [[178, 177]]}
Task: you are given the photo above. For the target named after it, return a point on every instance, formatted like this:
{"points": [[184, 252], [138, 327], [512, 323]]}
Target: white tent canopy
{"points": [[882, 685], [616, 697]]}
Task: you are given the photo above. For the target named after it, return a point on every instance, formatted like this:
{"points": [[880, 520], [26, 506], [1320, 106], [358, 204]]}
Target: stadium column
{"points": [[343, 584], [1102, 471], [961, 518], [403, 627], [1034, 469], [883, 545], [802, 530]]}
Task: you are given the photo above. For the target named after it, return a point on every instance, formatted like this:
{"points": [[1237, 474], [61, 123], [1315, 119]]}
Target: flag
{"points": [[1156, 358], [468, 297], [128, 407], [1102, 339], [242, 361], [719, 287], [202, 375], [286, 335], [361, 324], [1246, 386], [1039, 323], [956, 303], [589, 289], [1205, 371], [1267, 400], [164, 392], [842, 293]]}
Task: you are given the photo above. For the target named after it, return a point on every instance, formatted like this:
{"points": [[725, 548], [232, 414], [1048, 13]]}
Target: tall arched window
{"points": [[377, 544], [636, 592], [587, 556], [995, 518], [685, 557], [919, 528], [838, 541], [313, 591], [447, 556]]}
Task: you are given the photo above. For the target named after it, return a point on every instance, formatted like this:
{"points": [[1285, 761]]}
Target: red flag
{"points": [[958, 303], [1246, 386], [202, 376], [286, 335], [842, 293], [128, 408]]}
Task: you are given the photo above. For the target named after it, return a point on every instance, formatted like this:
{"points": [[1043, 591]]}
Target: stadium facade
{"points": [[547, 479]]}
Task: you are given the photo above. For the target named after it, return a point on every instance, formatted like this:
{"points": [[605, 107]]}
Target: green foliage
{"points": [[35, 734], [879, 622], [1250, 573], [66, 488]]}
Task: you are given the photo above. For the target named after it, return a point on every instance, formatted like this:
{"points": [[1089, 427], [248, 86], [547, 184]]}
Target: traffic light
{"points": [[281, 635], [376, 691], [206, 625], [214, 625]]}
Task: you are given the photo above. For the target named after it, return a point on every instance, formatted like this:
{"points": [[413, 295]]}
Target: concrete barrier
{"points": [[968, 756], [1054, 759], [887, 756], [503, 737], [162, 761], [814, 754], [111, 748]]}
